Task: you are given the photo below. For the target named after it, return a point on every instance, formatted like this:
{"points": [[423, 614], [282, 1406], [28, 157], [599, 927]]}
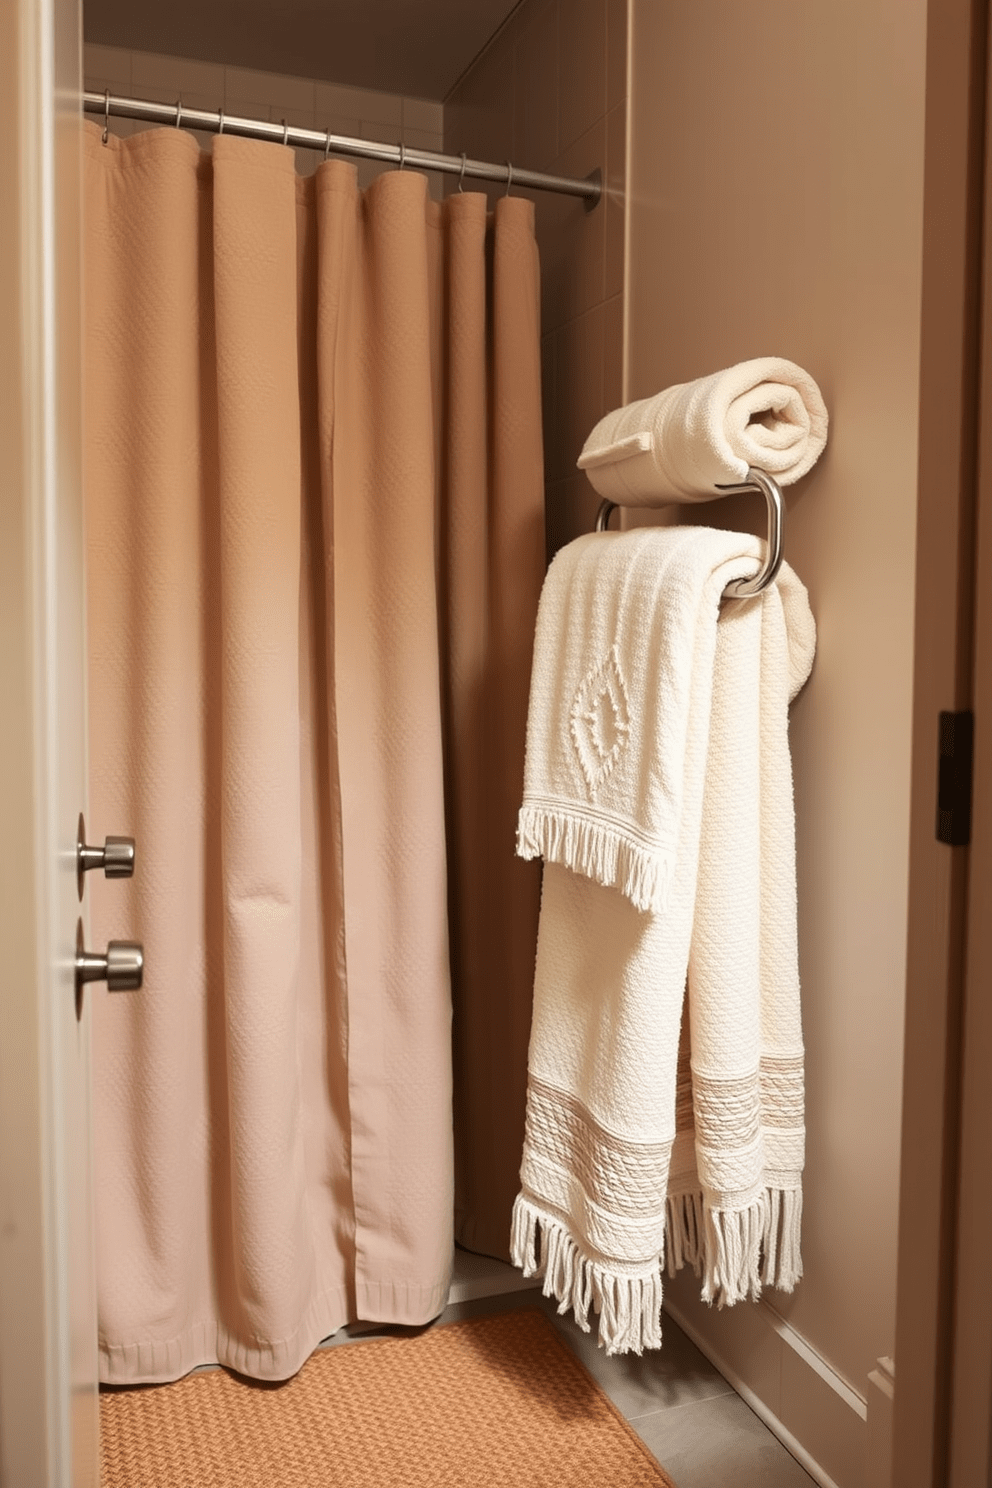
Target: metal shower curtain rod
{"points": [[107, 104]]}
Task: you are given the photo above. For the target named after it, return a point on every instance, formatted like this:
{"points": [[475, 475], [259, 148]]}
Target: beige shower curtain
{"points": [[314, 549]]}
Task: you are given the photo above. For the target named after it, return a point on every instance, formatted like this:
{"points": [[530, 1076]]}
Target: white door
{"points": [[48, 1401]]}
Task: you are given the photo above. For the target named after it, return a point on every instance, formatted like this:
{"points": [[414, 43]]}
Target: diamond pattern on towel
{"points": [[600, 721]]}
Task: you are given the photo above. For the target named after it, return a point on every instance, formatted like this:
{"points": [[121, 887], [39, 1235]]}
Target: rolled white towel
{"points": [[683, 442]]}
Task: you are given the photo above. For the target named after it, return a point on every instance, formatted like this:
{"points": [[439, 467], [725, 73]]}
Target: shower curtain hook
{"points": [[327, 143], [106, 114], [509, 177], [461, 173], [402, 149], [220, 121], [179, 110], [285, 132]]}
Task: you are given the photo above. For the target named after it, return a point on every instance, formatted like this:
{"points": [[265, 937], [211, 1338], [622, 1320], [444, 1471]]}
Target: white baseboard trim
{"points": [[814, 1412], [816, 1361], [881, 1396]]}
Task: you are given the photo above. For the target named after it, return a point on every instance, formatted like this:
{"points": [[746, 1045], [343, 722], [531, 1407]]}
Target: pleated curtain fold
{"points": [[315, 546]]}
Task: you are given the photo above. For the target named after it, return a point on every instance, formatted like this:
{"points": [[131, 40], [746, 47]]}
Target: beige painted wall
{"points": [[776, 186]]}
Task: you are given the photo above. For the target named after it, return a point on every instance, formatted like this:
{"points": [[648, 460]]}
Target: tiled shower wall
{"points": [[549, 93], [359, 112]]}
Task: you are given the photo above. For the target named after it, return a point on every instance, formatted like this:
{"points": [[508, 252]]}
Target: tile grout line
{"points": [[726, 1394]]}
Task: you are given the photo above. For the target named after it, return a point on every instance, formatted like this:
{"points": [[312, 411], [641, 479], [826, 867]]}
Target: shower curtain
{"points": [[315, 545]]}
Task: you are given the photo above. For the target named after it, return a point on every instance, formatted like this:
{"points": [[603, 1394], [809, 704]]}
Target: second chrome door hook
{"points": [[122, 967]]}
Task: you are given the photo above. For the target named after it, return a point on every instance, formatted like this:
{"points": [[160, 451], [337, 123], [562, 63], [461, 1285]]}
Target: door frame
{"points": [[936, 1130], [970, 1417], [48, 1402]]}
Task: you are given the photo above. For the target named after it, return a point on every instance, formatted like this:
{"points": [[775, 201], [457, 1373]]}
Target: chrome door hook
{"points": [[122, 967], [115, 857]]}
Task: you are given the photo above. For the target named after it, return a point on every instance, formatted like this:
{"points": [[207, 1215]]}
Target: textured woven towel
{"points": [[658, 766], [680, 444]]}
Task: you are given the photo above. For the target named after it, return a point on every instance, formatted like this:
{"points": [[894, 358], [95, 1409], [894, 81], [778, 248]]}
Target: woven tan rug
{"points": [[482, 1404]]}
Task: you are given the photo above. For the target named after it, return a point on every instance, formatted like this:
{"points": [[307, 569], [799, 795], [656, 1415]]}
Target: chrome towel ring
{"points": [[756, 480]]}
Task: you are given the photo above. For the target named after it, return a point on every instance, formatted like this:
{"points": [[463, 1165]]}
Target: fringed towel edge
{"points": [[601, 853], [629, 1307], [734, 1252]]}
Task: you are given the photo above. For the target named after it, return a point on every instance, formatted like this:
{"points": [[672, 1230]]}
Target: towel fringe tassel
{"points": [[597, 852], [783, 1262], [629, 1307], [685, 1231], [734, 1252]]}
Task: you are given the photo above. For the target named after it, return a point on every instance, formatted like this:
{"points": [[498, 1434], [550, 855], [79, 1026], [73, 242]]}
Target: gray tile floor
{"points": [[700, 1431]]}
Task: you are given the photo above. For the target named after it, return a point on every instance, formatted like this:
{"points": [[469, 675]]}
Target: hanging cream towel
{"points": [[658, 789], [684, 442]]}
